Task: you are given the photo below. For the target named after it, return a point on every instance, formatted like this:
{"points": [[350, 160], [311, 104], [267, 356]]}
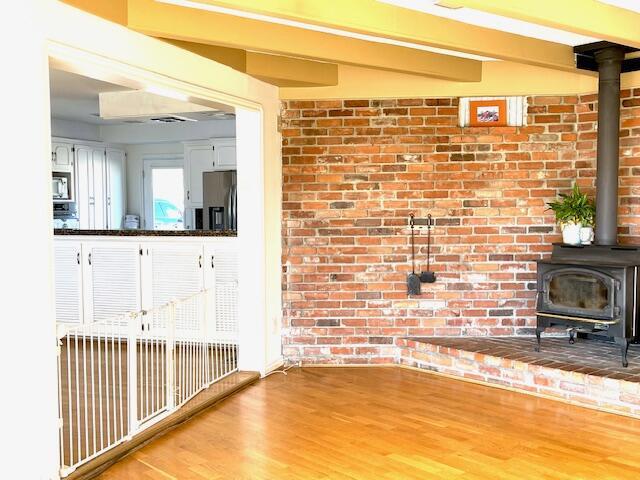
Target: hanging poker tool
{"points": [[428, 276], [413, 279]]}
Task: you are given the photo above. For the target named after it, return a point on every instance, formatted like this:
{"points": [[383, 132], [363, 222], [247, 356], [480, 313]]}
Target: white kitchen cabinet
{"points": [[116, 187], [198, 158], [111, 279], [61, 157], [171, 271], [100, 279], [221, 279], [67, 266], [224, 154], [91, 189]]}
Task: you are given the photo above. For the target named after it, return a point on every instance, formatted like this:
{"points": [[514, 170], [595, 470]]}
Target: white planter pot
{"points": [[586, 235], [571, 233]]}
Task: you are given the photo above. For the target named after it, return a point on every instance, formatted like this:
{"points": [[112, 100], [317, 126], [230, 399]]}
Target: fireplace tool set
{"points": [[415, 280]]}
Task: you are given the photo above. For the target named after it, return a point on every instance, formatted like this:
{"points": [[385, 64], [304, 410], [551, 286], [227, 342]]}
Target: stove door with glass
{"points": [[597, 299]]}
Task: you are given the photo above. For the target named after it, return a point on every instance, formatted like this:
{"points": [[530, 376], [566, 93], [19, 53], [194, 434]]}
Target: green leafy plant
{"points": [[574, 207]]}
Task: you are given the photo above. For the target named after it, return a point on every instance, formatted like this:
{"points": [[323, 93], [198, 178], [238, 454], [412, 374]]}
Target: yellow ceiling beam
{"points": [[586, 17], [112, 10], [380, 19], [194, 25], [275, 69]]}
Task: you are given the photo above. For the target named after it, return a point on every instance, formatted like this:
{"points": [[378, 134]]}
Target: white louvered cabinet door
{"points": [[222, 281], [68, 281], [174, 272], [112, 279]]}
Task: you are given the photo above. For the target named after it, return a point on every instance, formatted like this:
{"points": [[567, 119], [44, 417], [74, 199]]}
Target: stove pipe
{"points": [[609, 62]]}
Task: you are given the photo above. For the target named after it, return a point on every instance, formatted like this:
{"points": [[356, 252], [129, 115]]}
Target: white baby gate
{"points": [[121, 375]]}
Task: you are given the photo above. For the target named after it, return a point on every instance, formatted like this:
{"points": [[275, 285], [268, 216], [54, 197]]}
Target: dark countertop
{"points": [[147, 233]]}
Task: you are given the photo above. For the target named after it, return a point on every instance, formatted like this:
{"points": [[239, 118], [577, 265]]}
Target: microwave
{"points": [[61, 186]]}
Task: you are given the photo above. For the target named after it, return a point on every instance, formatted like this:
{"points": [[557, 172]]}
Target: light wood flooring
{"points": [[388, 423]]}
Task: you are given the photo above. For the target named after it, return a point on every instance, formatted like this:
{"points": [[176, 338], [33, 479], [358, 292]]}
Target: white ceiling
{"points": [[495, 22], [75, 98]]}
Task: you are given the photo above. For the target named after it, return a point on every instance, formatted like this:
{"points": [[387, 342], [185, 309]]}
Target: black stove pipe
{"points": [[609, 65]]}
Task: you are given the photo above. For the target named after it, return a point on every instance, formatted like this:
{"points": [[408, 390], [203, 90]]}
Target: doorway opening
{"points": [[164, 193]]}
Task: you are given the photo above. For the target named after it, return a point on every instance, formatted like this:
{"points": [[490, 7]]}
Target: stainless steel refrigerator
{"points": [[219, 201]]}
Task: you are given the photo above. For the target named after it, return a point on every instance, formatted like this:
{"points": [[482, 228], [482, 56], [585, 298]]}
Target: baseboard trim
{"points": [[279, 362], [98, 465]]}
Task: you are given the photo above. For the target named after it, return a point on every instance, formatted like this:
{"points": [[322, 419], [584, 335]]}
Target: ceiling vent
{"points": [[171, 119]]}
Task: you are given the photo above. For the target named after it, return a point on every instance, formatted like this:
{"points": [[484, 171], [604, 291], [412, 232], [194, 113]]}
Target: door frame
{"points": [[150, 162], [157, 66]]}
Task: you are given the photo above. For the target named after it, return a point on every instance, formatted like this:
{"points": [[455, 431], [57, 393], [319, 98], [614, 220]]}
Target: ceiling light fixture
{"points": [[317, 28]]}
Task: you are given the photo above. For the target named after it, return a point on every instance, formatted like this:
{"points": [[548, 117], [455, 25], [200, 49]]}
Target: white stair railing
{"points": [[118, 376]]}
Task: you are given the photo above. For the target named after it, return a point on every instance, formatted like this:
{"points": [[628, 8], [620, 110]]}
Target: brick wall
{"points": [[355, 169]]}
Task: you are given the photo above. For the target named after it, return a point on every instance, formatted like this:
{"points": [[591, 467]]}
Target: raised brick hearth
{"points": [[586, 373]]}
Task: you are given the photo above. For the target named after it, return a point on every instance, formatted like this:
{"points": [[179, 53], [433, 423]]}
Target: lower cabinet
{"points": [[99, 280]]}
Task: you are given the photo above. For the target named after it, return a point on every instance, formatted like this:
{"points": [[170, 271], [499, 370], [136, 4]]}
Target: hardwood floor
{"points": [[388, 423]]}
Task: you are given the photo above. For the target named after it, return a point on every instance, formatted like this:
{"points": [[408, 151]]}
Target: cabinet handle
{"points": [[212, 265], [200, 261], [89, 258], [214, 163], [188, 194], [78, 258]]}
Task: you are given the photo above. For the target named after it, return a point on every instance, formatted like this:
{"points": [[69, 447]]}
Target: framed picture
{"points": [[488, 113]]}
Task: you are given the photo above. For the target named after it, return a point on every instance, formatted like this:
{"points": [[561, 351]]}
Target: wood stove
{"points": [[594, 289], [591, 289]]}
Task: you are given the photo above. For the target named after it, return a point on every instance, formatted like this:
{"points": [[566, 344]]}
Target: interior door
{"points": [[67, 259], [111, 279], [116, 191]]}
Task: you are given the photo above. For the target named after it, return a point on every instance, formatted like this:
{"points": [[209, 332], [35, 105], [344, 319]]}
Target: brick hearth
{"points": [[587, 373]]}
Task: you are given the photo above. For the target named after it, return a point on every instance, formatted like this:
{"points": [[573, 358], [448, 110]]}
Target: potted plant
{"points": [[575, 212]]}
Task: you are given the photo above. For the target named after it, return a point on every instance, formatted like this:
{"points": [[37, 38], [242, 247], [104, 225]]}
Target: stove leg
{"points": [[538, 332], [624, 346], [572, 336]]}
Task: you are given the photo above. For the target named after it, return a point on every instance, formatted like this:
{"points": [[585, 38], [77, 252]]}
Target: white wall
{"points": [[71, 129], [28, 405]]}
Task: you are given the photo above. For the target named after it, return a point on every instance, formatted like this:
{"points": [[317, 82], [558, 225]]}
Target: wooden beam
{"points": [[112, 10], [380, 19], [586, 17], [194, 25], [275, 69]]}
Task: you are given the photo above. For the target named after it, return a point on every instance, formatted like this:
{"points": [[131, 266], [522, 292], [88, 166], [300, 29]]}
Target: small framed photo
{"points": [[488, 113]]}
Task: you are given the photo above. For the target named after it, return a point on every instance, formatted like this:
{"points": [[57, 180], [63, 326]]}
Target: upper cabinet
{"points": [[198, 158], [205, 156], [224, 154], [61, 157]]}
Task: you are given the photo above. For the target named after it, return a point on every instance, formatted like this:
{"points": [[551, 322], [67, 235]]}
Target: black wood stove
{"points": [[594, 289], [591, 289]]}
